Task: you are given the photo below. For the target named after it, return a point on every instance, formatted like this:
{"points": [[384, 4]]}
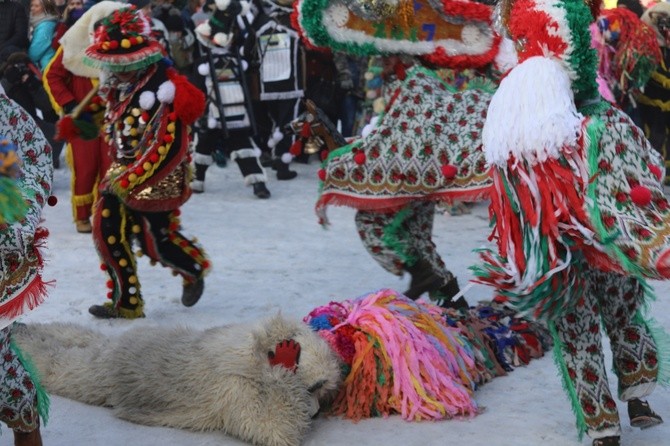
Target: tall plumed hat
{"points": [[121, 43]]}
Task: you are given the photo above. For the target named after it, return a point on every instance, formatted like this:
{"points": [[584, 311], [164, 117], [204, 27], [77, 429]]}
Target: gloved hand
{"points": [[287, 354]]}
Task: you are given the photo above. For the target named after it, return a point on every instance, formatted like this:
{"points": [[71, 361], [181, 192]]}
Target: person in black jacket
{"points": [[13, 28]]}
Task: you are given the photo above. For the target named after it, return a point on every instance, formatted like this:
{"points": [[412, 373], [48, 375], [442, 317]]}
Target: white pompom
{"points": [[222, 5], [286, 158], [166, 92], [203, 69], [147, 100], [245, 65], [257, 152], [212, 122], [204, 29], [222, 39]]}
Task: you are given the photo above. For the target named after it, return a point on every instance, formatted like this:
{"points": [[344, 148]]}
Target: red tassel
{"points": [[66, 130], [306, 130], [189, 101], [296, 147]]}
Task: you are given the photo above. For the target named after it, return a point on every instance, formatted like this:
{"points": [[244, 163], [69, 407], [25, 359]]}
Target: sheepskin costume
{"points": [[218, 379]]}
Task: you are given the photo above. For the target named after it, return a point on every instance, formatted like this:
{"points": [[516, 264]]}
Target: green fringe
{"points": [[392, 237], [595, 131], [120, 68], [13, 206], [584, 59], [662, 340], [43, 400], [567, 383]]}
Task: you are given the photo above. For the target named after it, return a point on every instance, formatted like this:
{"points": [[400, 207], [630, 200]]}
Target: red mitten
{"points": [[287, 354]]}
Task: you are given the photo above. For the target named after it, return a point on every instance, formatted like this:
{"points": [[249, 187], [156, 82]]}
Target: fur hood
{"points": [[79, 37]]}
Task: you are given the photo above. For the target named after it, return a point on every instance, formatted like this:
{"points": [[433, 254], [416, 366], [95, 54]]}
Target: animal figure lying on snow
{"points": [[261, 383]]}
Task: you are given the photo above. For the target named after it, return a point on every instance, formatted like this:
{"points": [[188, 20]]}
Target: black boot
{"points": [[283, 172], [613, 440], [446, 293], [261, 191], [641, 415], [423, 279], [192, 292]]}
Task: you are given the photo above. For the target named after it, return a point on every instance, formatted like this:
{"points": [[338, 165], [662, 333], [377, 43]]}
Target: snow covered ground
{"points": [[269, 256]]}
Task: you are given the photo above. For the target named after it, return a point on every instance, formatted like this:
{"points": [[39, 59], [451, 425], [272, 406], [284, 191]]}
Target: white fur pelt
{"points": [[217, 379]]}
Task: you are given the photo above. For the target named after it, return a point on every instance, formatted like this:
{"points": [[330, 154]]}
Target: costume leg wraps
{"points": [[20, 393], [162, 242], [113, 225], [400, 238], [88, 161], [207, 140], [615, 300], [247, 159]]}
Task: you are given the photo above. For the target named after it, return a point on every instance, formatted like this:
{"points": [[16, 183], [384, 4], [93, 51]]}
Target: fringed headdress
{"points": [[120, 43], [445, 33]]}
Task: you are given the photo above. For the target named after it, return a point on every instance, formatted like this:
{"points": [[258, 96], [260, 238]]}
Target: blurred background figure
{"points": [[43, 19], [13, 28]]}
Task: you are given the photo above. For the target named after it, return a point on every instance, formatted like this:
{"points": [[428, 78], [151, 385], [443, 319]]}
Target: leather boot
{"points": [[641, 415], [423, 280], [261, 191], [192, 292]]}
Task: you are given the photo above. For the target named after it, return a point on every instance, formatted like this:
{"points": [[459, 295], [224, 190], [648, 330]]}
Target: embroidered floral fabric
{"points": [[427, 146], [633, 228], [17, 391]]}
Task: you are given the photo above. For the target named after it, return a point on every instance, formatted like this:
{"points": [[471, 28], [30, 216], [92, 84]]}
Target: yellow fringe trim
{"points": [[656, 103]]}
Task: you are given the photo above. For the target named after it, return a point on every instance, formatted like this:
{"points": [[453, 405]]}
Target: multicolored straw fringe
{"points": [[419, 360], [628, 51], [13, 206]]}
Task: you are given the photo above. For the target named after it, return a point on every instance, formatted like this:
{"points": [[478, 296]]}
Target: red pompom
{"points": [[640, 195], [656, 171], [124, 183], [296, 148], [189, 101], [66, 130], [359, 158], [449, 171], [322, 174], [306, 130], [324, 155], [110, 284], [52, 200]]}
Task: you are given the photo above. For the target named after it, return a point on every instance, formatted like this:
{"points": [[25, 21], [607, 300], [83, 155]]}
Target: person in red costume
{"points": [[67, 81], [150, 107]]}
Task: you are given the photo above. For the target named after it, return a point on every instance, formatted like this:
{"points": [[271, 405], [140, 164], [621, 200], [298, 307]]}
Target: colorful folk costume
{"points": [[67, 81], [419, 360], [579, 215], [628, 53], [426, 147], [26, 170], [223, 69], [654, 102], [149, 109]]}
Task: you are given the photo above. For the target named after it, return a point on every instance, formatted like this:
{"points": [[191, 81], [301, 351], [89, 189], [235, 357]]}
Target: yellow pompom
{"points": [[123, 263], [132, 279], [147, 165], [125, 43], [133, 132], [162, 150], [106, 213], [140, 39], [134, 143], [132, 177], [129, 120], [111, 240], [136, 112], [133, 300], [171, 127], [139, 253], [136, 229]]}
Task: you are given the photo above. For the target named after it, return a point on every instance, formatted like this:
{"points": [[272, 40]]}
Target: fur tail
{"points": [[69, 358]]}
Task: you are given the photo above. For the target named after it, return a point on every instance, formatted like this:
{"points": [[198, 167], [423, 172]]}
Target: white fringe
{"points": [[199, 158], [255, 178], [532, 114], [243, 153]]}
